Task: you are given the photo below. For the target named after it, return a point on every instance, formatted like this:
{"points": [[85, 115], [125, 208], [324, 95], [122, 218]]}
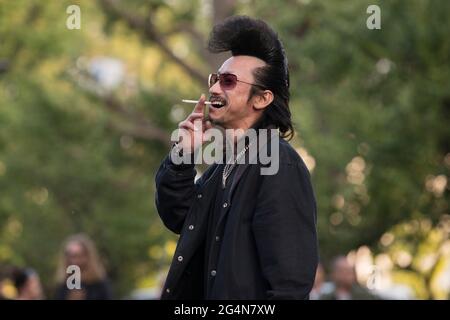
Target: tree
{"points": [[78, 154]]}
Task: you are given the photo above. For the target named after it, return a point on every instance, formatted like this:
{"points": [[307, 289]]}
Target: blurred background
{"points": [[86, 116]]}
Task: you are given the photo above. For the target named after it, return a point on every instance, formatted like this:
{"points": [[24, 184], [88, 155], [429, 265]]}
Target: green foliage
{"points": [[371, 108], [379, 97]]}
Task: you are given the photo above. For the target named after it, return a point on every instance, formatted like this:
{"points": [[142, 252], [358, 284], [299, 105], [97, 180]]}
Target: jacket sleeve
{"points": [[284, 226], [175, 190]]}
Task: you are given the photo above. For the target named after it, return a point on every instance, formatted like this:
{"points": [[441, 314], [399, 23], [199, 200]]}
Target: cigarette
{"points": [[194, 101]]}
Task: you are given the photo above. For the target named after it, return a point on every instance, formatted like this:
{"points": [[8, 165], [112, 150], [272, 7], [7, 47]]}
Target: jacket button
{"points": [[180, 258], [199, 196], [213, 273], [168, 290], [191, 227], [225, 205], [217, 238]]}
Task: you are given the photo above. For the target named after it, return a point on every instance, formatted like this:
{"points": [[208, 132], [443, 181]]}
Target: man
{"points": [[345, 285], [244, 235], [28, 284]]}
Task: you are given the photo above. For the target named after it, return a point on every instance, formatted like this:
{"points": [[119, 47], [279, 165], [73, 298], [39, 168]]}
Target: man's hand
{"points": [[192, 129]]}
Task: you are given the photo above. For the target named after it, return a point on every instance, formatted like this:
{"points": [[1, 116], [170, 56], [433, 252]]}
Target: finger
{"points": [[198, 125], [187, 125], [207, 134], [208, 125], [200, 105], [195, 115]]}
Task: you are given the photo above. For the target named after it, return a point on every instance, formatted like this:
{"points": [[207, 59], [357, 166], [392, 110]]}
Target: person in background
{"points": [[79, 250], [345, 285], [28, 284], [4, 278]]}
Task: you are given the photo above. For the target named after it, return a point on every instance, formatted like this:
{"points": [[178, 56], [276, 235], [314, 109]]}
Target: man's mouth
{"points": [[218, 102]]}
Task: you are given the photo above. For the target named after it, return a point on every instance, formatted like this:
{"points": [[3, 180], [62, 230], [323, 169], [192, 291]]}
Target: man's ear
{"points": [[262, 99]]}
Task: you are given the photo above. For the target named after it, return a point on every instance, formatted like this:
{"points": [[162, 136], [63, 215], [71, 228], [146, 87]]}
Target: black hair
{"points": [[243, 35], [21, 276]]}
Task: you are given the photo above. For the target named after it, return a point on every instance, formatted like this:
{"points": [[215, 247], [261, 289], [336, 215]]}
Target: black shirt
{"points": [[213, 236]]}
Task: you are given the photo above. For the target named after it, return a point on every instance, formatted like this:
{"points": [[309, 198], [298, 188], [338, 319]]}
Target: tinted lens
{"points": [[228, 81], [213, 78]]}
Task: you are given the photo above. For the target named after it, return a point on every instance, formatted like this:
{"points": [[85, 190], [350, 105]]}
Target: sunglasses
{"points": [[227, 81]]}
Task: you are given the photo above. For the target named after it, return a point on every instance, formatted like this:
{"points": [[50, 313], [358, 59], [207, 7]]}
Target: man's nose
{"points": [[215, 89]]}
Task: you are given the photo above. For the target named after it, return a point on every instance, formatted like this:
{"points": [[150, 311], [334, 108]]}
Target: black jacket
{"points": [[266, 234]]}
